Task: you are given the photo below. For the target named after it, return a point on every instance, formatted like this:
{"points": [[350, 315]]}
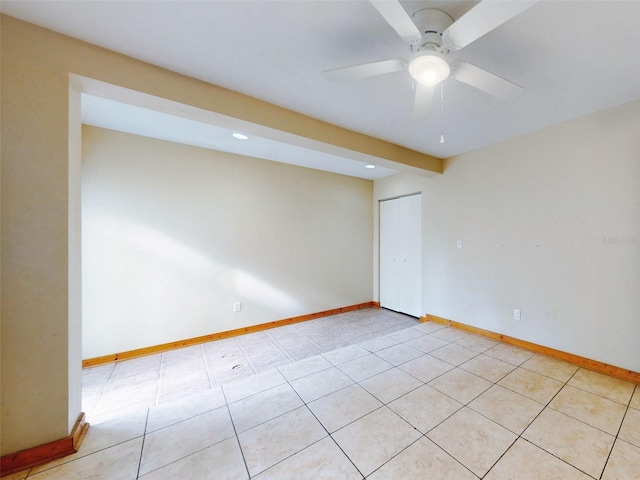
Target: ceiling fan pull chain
{"points": [[442, 112]]}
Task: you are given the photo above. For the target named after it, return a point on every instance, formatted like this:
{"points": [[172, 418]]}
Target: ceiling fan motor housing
{"points": [[431, 22]]}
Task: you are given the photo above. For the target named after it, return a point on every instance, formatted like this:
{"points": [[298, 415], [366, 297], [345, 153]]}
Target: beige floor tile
{"points": [[390, 384], [222, 377], [428, 327], [477, 343], [305, 367], [425, 407], [319, 384], [589, 408], [577, 443], [635, 400], [181, 379], [245, 387], [450, 334], [630, 431], [114, 431], [603, 385], [89, 402], [550, 367], [488, 367], [343, 407], [531, 384], [511, 410], [136, 366], [173, 412], [398, 354], [379, 343], [460, 385], [364, 367], [509, 353], [261, 407], [189, 389], [473, 440], [525, 461], [109, 415], [321, 461], [375, 438], [454, 354], [426, 368], [277, 439], [185, 438], [345, 354], [406, 334], [92, 376], [422, 459], [222, 460], [427, 343], [624, 462], [115, 463], [127, 392]]}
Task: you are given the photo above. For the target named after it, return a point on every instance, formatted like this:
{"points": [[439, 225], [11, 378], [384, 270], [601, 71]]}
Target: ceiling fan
{"points": [[431, 33]]}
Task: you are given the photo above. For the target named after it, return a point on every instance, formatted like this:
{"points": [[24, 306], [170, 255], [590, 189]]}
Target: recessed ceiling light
{"points": [[240, 136], [369, 166]]}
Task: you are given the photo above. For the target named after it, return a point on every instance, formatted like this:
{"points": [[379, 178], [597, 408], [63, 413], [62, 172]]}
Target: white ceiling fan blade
{"points": [[422, 102], [481, 19], [397, 17], [482, 80], [355, 72]]}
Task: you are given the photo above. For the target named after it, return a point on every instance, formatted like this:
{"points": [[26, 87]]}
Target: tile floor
{"points": [[368, 394]]}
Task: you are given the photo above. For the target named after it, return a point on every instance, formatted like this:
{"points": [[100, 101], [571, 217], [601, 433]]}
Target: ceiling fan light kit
{"points": [[430, 34], [429, 68]]}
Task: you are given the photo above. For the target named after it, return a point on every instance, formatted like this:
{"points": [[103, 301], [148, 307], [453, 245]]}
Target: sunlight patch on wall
{"points": [[253, 288], [142, 239]]}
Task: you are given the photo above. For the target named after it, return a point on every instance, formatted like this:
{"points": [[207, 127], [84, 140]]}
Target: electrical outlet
{"points": [[516, 314], [237, 306]]}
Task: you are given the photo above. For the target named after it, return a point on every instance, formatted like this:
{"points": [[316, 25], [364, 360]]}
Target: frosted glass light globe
{"points": [[429, 69]]}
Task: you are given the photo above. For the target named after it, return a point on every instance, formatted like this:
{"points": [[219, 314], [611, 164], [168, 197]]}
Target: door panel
{"points": [[389, 269], [400, 254]]}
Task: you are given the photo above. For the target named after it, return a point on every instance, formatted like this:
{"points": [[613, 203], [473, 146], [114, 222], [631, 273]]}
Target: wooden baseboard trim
{"points": [[596, 366], [141, 352], [31, 457]]}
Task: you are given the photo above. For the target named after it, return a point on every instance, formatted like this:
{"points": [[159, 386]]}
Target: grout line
{"points": [[534, 419], [323, 426], [235, 431], [617, 436], [212, 380], [144, 437], [161, 378], [277, 344], [102, 392]]}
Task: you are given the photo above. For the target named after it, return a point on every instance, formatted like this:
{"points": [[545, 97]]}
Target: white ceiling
{"points": [[572, 58]]}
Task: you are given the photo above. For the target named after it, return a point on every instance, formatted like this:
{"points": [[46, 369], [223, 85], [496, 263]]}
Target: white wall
{"points": [[173, 235], [551, 225]]}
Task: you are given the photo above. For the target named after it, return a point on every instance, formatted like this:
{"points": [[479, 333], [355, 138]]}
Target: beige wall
{"points": [[550, 224], [40, 309], [173, 235]]}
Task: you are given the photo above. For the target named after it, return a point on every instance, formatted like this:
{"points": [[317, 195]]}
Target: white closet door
{"points": [[400, 254], [389, 250]]}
